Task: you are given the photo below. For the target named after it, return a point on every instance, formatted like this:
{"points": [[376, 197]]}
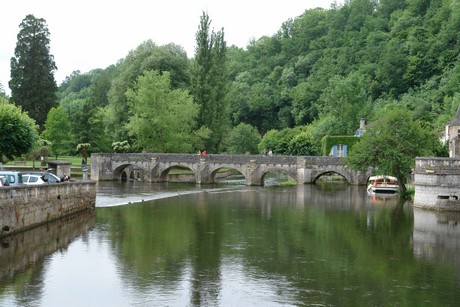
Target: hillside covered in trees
{"points": [[317, 76]]}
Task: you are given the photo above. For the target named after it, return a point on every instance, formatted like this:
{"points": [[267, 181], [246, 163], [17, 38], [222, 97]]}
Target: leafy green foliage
{"points": [[83, 148], [57, 131], [162, 119], [147, 56], [323, 70], [209, 82], [303, 144], [243, 139], [40, 151], [18, 131], [122, 146], [32, 81], [2, 92], [278, 141], [391, 143]]}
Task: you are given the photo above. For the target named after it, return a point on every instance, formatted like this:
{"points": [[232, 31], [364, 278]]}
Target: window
{"points": [[11, 179], [340, 150]]}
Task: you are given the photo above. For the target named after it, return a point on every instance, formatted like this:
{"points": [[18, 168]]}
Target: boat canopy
{"points": [[380, 177]]}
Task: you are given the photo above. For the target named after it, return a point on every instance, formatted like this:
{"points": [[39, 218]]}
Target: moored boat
{"points": [[383, 184]]}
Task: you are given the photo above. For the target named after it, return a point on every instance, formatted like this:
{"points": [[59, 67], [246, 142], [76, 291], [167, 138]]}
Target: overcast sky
{"points": [[89, 34]]}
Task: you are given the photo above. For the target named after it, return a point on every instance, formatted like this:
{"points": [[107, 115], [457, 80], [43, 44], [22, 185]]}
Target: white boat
{"points": [[383, 184]]}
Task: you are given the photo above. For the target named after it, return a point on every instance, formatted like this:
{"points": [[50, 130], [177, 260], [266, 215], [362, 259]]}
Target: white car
{"points": [[32, 179], [46, 177]]}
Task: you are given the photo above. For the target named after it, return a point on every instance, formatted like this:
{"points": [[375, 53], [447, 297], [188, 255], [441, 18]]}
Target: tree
{"points": [[278, 140], [57, 131], [391, 144], [303, 144], [2, 91], [243, 138], [32, 81], [209, 81], [83, 148], [40, 151], [347, 100], [121, 147], [147, 56], [18, 132], [162, 119]]}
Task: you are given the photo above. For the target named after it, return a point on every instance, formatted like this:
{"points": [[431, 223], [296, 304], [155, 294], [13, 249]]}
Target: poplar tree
{"points": [[32, 81], [209, 81]]}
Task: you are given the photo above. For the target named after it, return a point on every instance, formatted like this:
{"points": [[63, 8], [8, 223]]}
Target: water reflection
{"points": [[224, 246], [24, 257], [437, 236]]}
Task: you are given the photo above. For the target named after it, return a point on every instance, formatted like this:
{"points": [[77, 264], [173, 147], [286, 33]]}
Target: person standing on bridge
{"points": [[203, 153]]}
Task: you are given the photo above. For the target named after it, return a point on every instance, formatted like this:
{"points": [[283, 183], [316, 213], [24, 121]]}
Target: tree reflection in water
{"points": [[327, 244]]}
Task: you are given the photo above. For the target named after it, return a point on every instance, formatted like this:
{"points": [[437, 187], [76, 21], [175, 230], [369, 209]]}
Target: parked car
{"points": [[4, 181], [31, 179], [14, 178], [45, 176]]}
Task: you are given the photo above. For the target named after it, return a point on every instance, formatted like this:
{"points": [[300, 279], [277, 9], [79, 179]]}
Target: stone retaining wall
{"points": [[28, 206], [437, 183]]}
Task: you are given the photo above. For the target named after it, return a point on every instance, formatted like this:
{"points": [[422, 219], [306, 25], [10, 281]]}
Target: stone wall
{"points": [[28, 206], [437, 183]]}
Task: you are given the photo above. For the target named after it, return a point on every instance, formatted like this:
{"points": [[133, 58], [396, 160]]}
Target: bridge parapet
{"points": [[430, 165]]}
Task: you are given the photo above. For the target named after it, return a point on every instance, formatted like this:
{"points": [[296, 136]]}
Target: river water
{"points": [[232, 245]]}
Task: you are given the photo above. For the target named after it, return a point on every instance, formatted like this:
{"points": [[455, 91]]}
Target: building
{"points": [[452, 135], [362, 127], [343, 143]]}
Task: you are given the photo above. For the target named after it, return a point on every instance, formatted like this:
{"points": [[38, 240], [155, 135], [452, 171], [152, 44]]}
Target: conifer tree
{"points": [[32, 81], [209, 81]]}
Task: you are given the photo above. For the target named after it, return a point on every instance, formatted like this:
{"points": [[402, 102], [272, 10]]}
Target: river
{"points": [[233, 245]]}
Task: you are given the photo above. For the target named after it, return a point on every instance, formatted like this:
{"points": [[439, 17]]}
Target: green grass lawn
{"points": [[75, 160]]}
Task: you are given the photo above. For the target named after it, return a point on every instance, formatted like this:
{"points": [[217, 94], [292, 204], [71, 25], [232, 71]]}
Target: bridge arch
{"points": [[164, 172], [327, 172], [278, 170], [214, 172], [121, 172], [128, 171]]}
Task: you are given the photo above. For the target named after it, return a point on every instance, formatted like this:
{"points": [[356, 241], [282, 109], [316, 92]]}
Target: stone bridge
{"points": [[154, 167]]}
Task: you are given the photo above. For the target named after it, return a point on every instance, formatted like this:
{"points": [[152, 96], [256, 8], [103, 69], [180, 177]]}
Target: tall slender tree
{"points": [[32, 81], [209, 81]]}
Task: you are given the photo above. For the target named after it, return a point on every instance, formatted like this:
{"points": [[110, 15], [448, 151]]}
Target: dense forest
{"points": [[316, 76]]}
